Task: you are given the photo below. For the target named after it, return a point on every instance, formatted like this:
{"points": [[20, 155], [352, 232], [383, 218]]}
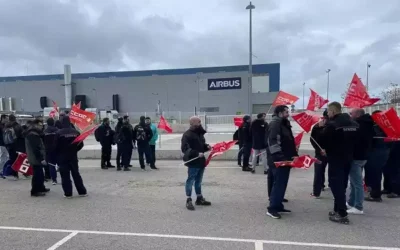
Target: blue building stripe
{"points": [[272, 69]]}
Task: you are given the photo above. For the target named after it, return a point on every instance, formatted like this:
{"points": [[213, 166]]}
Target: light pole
{"points": [[327, 85], [250, 7], [304, 85], [368, 66]]}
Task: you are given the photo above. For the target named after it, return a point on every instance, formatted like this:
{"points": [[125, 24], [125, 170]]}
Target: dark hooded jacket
{"points": [[365, 137], [19, 143], [34, 146], [258, 130], [50, 140], [280, 140], [142, 132], [66, 151], [125, 136], [105, 135], [339, 138], [378, 141], [245, 133], [192, 144]]}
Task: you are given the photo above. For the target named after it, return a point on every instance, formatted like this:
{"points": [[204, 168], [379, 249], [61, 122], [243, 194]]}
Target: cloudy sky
{"points": [[306, 37]]}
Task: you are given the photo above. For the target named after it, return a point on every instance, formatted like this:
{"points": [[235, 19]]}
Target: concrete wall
{"points": [[176, 90]]}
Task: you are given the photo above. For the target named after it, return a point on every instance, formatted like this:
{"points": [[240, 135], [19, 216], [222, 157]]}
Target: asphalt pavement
{"points": [[146, 210]]}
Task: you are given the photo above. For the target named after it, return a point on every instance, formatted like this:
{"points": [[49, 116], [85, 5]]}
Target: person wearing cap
{"points": [[281, 147], [245, 142], [320, 167], [258, 132]]}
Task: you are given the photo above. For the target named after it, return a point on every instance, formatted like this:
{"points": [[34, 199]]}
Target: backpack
{"points": [[236, 136], [96, 134], [140, 134], [9, 136]]}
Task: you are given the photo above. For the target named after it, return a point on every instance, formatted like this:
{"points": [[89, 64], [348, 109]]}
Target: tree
{"points": [[391, 94]]}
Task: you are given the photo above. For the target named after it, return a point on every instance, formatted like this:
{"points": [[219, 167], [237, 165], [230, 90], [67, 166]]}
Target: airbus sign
{"points": [[225, 83]]}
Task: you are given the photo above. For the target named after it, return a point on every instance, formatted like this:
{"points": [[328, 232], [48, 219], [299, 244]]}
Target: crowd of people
{"points": [[346, 144]]}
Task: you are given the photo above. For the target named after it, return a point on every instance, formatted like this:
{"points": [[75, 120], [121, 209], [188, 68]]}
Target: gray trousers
{"points": [[3, 157], [263, 157]]}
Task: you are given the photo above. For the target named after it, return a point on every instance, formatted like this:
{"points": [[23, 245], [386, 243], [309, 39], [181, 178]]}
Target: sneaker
{"points": [[314, 196], [286, 211], [253, 171], [143, 169], [110, 166], [129, 165], [154, 168], [332, 213], [127, 169], [54, 183], [38, 194], [348, 206], [46, 190], [266, 172], [339, 219], [119, 168], [83, 195], [371, 199], [2, 176], [285, 200], [247, 169], [189, 204], [104, 167], [274, 215], [200, 201], [68, 197], [385, 191], [354, 210], [393, 196]]}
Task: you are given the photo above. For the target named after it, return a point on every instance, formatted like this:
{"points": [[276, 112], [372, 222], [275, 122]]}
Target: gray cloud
{"points": [[40, 36]]}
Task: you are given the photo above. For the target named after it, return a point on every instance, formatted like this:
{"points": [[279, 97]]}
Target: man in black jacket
{"points": [[361, 151], [67, 158], [50, 144], [126, 140], [36, 157], [13, 140], [282, 147], [338, 141], [258, 132], [245, 142], [105, 135], [319, 168], [377, 159], [143, 133], [193, 147], [117, 141]]}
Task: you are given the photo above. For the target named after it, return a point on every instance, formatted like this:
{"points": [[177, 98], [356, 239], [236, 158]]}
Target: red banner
{"points": [[22, 165], [163, 124], [316, 101], [219, 149], [306, 121], [297, 140], [357, 95], [389, 122], [284, 98], [238, 121], [76, 105], [81, 118], [304, 162], [85, 134]]}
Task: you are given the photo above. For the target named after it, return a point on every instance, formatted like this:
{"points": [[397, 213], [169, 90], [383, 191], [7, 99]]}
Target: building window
{"points": [[209, 109]]}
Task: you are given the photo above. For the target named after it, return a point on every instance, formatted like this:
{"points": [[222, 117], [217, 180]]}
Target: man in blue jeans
{"points": [[193, 146], [361, 151]]}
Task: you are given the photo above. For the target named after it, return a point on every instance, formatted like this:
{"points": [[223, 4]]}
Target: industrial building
{"points": [[213, 90]]}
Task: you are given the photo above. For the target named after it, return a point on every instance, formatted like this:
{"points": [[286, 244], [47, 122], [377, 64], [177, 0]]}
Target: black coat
{"points": [[142, 128], [50, 139], [339, 138], [34, 147], [105, 135], [280, 139], [245, 135], [258, 132], [365, 136], [316, 134], [66, 151], [125, 136], [192, 144]]}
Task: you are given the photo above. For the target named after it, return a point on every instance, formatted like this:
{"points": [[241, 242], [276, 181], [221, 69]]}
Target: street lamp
{"points": [[250, 7], [327, 86], [368, 66], [304, 85]]}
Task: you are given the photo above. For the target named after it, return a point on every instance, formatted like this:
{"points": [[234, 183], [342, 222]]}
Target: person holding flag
{"points": [[245, 143], [193, 147], [281, 147]]}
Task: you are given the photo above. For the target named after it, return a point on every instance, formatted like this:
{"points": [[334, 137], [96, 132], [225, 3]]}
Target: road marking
{"points": [[62, 241], [172, 236], [259, 245]]}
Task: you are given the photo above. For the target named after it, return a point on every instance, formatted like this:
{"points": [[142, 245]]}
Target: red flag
{"points": [[52, 113], [284, 98], [55, 110], [238, 121], [77, 105], [304, 162], [306, 121], [85, 134], [81, 118], [219, 149], [316, 101], [357, 95], [163, 124], [389, 122], [22, 165], [297, 140]]}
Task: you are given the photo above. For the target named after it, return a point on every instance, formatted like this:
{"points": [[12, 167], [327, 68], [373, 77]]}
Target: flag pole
{"points": [[159, 138]]}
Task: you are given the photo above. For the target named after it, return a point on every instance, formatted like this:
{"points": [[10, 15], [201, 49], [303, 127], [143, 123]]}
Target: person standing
{"points": [[127, 144], [118, 141], [36, 157], [361, 151], [245, 142], [50, 144], [193, 147], [105, 135], [377, 159], [13, 140], [258, 131], [392, 184], [338, 142], [67, 159], [3, 149], [143, 134], [319, 167], [153, 140], [282, 147]]}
